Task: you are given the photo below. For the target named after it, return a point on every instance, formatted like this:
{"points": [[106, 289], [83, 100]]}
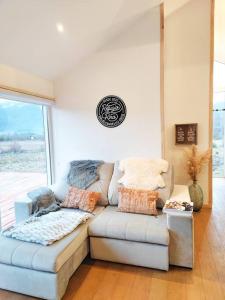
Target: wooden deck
{"points": [[14, 185]]}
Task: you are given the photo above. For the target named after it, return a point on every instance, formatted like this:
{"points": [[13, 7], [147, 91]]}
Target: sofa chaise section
{"points": [[43, 271]]}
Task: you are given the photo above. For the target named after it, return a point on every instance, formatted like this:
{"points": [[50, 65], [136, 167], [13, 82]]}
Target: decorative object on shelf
{"points": [[178, 207], [111, 111], [186, 134], [195, 161]]}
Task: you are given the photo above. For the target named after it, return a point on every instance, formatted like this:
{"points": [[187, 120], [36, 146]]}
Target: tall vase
{"points": [[196, 195]]}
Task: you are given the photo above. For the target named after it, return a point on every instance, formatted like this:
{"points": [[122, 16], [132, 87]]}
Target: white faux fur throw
{"points": [[142, 173]]}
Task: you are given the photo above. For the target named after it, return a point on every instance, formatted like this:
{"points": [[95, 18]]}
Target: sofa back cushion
{"points": [[164, 193], [114, 185], [105, 172]]}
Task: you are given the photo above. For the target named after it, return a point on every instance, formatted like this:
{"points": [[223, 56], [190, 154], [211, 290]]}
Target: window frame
{"points": [[48, 142]]}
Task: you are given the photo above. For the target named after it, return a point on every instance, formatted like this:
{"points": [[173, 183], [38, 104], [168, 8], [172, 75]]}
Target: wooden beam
{"points": [[162, 80], [25, 92], [211, 75]]}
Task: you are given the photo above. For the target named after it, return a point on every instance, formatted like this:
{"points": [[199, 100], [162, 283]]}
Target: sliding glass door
{"points": [[24, 153]]}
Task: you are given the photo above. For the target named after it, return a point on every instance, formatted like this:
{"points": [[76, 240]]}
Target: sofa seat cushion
{"points": [[130, 227], [44, 258]]}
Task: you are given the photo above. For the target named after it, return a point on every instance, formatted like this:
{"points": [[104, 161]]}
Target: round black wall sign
{"points": [[111, 111]]}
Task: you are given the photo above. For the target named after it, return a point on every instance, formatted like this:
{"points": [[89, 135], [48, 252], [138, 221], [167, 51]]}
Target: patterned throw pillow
{"points": [[137, 201], [82, 199]]}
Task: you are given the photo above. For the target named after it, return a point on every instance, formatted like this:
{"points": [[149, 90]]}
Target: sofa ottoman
{"points": [[43, 271], [129, 238]]}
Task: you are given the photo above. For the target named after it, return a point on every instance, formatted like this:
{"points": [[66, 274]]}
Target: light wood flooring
{"points": [[100, 280]]}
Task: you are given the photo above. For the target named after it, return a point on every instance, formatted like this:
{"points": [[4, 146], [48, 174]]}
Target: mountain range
{"points": [[20, 118]]}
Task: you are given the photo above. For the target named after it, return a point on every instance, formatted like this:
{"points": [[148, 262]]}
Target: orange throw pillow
{"points": [[137, 201], [82, 199]]}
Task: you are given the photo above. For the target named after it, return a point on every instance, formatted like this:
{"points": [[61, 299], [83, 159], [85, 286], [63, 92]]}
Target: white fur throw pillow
{"points": [[142, 173]]}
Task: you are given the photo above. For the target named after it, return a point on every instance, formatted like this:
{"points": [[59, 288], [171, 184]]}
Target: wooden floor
{"points": [[99, 280], [14, 185]]}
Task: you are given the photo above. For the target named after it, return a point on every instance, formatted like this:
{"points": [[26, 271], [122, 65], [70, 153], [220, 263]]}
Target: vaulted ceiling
{"points": [[48, 37]]}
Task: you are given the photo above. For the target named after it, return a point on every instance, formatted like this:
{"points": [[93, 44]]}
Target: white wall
{"points": [[219, 31], [219, 77], [187, 66], [127, 66], [18, 79]]}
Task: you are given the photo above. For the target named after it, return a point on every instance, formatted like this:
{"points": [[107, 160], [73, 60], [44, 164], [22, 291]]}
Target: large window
{"points": [[24, 153], [219, 121], [219, 135]]}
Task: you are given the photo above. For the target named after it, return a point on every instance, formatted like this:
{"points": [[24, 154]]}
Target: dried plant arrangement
{"points": [[196, 160]]}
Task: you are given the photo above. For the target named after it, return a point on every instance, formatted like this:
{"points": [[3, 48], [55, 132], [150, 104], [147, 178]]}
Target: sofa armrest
{"points": [[23, 206], [181, 230], [23, 209], [181, 246]]}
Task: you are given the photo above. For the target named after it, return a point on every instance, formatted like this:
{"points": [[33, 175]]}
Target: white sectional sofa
{"points": [[148, 241]]}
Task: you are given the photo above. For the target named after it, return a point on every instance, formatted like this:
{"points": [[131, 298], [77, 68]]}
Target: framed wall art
{"points": [[186, 134]]}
